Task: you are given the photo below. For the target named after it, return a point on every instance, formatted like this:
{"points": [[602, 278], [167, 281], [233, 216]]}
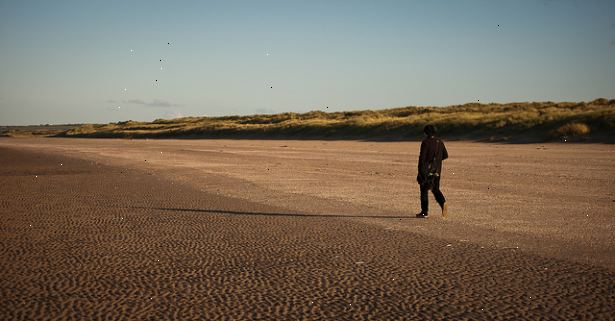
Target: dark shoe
{"points": [[422, 215]]}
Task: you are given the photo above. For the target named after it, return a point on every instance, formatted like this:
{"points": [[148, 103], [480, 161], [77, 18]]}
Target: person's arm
{"points": [[421, 166], [444, 152]]}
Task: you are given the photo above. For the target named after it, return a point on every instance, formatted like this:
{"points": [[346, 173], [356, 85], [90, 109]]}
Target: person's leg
{"points": [[437, 193], [424, 198]]}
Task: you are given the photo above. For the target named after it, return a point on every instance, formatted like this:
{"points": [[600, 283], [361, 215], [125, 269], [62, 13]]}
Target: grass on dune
{"points": [[535, 121], [35, 130]]}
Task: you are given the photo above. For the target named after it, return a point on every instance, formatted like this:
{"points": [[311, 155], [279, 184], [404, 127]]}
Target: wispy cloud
{"points": [[153, 103], [161, 103], [135, 101]]}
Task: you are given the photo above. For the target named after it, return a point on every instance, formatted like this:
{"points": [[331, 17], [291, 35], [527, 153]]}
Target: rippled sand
{"points": [[87, 240]]}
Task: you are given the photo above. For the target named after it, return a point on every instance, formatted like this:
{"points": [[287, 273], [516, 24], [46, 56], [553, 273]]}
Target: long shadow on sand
{"points": [[265, 213]]}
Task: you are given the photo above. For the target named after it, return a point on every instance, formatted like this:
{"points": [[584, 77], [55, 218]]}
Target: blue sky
{"points": [[71, 61]]}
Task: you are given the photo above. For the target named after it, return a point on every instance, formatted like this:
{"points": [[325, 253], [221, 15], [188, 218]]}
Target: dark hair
{"points": [[430, 130]]}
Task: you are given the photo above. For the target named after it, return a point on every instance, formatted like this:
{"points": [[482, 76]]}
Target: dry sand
{"points": [[302, 230]]}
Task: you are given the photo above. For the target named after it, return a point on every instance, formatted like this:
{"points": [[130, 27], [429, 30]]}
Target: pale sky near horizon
{"points": [[78, 61]]}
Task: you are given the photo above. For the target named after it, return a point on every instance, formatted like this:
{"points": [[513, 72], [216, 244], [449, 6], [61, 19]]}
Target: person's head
{"points": [[429, 130]]}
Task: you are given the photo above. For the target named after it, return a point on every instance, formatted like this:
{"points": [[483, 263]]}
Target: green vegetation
{"points": [[35, 130], [571, 129], [514, 122]]}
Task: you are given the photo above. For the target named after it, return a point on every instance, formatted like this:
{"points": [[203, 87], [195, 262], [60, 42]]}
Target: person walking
{"points": [[433, 152]]}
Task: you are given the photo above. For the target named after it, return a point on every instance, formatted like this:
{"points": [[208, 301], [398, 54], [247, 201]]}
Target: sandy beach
{"points": [[308, 230]]}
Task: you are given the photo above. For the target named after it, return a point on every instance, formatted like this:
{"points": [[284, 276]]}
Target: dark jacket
{"points": [[433, 152]]}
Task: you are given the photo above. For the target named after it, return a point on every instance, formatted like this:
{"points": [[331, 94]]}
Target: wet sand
{"points": [[200, 231]]}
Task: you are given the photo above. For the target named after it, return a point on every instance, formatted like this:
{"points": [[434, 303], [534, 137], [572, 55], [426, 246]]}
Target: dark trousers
{"points": [[434, 186]]}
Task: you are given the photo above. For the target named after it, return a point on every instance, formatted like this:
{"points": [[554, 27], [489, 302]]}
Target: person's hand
{"points": [[419, 179]]}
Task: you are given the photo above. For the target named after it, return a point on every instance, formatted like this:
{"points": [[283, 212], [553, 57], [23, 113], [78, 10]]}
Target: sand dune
{"points": [[86, 240]]}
